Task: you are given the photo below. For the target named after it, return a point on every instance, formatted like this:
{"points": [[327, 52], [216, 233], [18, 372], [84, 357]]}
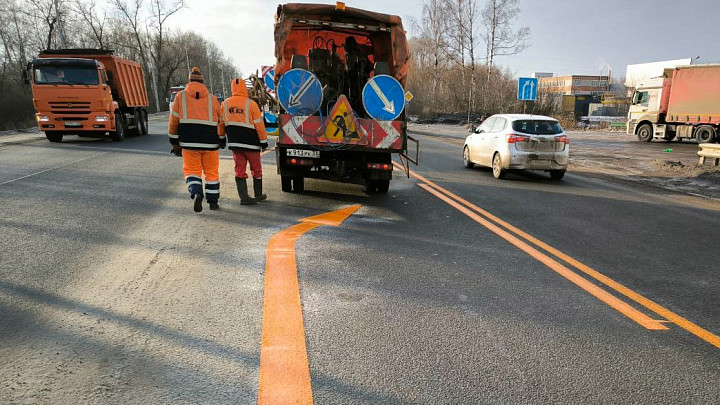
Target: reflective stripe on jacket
{"points": [[243, 120], [196, 120]]}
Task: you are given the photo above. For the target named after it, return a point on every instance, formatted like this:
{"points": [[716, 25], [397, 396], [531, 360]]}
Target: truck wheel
{"points": [[145, 126], [53, 136], [382, 186], [705, 134], [371, 186], [299, 184], [286, 183], [645, 133], [119, 134], [138, 122]]}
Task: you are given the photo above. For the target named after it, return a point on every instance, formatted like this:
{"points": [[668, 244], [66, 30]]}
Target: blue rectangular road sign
{"points": [[527, 88]]}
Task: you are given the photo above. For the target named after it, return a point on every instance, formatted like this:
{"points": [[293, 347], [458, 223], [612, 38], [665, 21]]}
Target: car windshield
{"points": [[537, 127], [66, 75]]}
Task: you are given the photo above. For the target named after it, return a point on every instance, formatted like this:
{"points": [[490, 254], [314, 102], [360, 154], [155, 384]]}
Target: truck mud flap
{"points": [[406, 157]]}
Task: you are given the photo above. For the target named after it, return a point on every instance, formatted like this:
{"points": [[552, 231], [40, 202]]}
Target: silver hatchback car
{"points": [[518, 142]]}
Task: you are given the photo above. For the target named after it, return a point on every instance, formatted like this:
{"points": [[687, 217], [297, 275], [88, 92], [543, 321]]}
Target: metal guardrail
{"points": [[709, 151]]}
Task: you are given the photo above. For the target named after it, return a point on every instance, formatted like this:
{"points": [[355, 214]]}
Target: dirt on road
{"points": [[669, 165]]}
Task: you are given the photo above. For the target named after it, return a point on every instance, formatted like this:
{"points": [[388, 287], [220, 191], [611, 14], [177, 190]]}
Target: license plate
{"points": [[541, 163], [304, 153], [72, 124]]}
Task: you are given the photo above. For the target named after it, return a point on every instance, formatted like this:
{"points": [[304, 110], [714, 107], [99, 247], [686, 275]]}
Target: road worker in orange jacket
{"points": [[246, 138], [196, 132]]}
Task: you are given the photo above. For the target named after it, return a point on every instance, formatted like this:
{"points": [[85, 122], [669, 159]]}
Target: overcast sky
{"points": [[567, 36]]}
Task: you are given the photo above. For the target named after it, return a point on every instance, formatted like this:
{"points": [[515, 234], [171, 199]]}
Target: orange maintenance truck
{"points": [[88, 92], [340, 81]]}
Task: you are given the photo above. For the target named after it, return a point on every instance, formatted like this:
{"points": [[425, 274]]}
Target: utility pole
{"points": [[61, 35]]}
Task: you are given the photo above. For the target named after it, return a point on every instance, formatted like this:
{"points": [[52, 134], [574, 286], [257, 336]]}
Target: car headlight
{"points": [[101, 118], [43, 118]]}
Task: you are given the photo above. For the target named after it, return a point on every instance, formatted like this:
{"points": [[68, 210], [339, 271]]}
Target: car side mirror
{"points": [[473, 128], [479, 131]]}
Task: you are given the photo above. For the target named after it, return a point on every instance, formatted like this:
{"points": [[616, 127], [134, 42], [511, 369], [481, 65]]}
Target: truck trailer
{"points": [[331, 60], [88, 92], [682, 104]]}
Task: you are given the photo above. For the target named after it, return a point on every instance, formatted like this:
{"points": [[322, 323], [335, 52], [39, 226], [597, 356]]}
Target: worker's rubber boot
{"points": [[243, 192], [197, 206], [214, 205], [257, 187]]}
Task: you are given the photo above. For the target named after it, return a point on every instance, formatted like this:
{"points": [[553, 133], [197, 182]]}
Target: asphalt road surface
{"points": [[452, 288]]}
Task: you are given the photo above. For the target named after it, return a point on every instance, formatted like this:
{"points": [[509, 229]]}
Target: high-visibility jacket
{"points": [[196, 120], [243, 120]]}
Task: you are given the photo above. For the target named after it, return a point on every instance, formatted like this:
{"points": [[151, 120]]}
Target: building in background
{"points": [[575, 85], [573, 94], [643, 71], [539, 75]]}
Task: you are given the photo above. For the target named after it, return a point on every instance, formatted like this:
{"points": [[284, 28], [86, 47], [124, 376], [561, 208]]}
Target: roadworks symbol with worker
{"points": [[341, 124]]}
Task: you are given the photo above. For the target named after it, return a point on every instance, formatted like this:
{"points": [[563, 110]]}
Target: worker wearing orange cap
{"points": [[196, 130], [246, 138]]}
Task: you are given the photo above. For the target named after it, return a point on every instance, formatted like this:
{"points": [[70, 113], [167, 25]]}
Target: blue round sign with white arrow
{"points": [[383, 98], [269, 79], [299, 92]]}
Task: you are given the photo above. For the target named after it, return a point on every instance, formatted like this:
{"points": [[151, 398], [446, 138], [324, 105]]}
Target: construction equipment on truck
{"points": [[339, 78], [684, 103], [88, 92]]}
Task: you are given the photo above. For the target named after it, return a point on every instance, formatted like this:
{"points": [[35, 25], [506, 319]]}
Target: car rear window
{"points": [[537, 127]]}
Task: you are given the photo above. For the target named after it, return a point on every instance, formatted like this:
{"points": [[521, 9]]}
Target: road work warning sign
{"points": [[341, 124]]}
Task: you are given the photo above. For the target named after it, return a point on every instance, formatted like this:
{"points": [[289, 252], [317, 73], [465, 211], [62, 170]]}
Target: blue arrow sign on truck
{"points": [[527, 88], [299, 92], [269, 79], [383, 98]]}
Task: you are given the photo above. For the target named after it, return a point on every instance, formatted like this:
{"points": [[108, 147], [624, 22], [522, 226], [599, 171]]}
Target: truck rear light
{"points": [[301, 162], [379, 166], [515, 138], [563, 138]]}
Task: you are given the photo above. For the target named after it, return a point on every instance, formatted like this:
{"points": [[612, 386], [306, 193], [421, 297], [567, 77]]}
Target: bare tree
{"points": [[432, 29], [130, 12], [499, 36], [94, 19], [45, 11], [161, 11]]}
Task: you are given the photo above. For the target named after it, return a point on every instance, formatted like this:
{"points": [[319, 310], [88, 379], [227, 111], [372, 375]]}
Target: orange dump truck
{"points": [[88, 92]]}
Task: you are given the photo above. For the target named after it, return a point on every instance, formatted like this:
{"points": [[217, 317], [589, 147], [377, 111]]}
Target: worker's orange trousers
{"points": [[199, 162]]}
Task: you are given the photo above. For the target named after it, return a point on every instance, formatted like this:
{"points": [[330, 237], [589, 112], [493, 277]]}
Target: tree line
{"points": [[134, 29], [455, 46]]}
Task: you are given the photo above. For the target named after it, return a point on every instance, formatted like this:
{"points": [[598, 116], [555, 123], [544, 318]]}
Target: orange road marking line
{"points": [[647, 303], [284, 368], [621, 306]]}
